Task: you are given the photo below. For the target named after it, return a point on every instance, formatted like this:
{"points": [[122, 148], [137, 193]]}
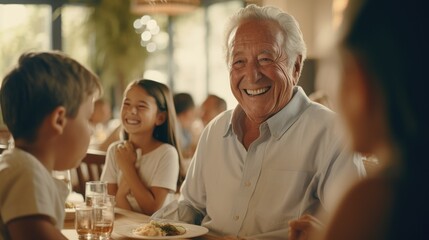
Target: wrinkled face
{"points": [[76, 136], [139, 111], [259, 75]]}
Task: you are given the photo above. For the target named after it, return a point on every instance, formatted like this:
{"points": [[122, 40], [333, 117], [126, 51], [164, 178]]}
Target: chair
{"points": [[90, 169]]}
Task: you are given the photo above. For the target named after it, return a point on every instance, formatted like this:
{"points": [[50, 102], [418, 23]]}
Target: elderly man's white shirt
{"points": [[287, 171]]}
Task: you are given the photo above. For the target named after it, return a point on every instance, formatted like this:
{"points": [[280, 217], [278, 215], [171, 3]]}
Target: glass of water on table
{"points": [[84, 221], [93, 189], [103, 208], [104, 215]]}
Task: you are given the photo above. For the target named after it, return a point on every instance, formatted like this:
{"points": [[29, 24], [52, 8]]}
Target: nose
{"points": [[134, 110], [253, 71]]}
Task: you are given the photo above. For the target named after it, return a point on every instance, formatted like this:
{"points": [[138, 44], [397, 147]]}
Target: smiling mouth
{"points": [[132, 121], [256, 92]]}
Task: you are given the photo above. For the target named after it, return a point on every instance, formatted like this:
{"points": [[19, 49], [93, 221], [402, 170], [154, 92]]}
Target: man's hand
{"points": [[302, 228]]}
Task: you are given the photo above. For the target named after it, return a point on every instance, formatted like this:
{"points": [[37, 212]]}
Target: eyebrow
{"points": [[139, 101], [265, 51], [240, 52]]}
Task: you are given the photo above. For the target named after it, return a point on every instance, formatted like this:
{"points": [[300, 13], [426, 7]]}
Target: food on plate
{"points": [[154, 229], [69, 205]]}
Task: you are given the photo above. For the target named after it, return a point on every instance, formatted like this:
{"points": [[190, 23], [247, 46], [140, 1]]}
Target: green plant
{"points": [[116, 53]]}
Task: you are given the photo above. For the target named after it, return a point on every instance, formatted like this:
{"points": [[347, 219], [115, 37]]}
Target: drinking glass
{"points": [[64, 176], [94, 188], [104, 215], [84, 221]]}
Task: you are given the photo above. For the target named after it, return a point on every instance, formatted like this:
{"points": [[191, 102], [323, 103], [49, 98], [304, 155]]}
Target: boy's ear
{"points": [[160, 118], [58, 119]]}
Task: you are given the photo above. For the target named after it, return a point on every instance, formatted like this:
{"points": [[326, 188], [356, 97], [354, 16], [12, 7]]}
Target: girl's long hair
{"points": [[165, 132]]}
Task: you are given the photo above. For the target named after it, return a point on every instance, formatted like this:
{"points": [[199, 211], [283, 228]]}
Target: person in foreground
{"points": [[383, 94], [143, 171], [46, 102], [276, 155]]}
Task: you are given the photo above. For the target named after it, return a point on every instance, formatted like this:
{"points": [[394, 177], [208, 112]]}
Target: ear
{"points": [[161, 117], [296, 69], [58, 119]]}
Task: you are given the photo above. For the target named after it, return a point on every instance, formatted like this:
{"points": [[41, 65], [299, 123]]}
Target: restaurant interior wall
{"points": [[198, 59]]}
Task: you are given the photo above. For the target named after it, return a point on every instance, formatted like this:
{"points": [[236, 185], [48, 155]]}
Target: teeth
{"points": [[130, 121], [257, 91]]}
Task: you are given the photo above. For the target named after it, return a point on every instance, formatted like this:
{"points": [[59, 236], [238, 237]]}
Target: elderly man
{"points": [[276, 155]]}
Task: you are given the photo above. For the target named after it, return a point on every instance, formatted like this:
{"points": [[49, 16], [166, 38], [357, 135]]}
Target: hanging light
{"points": [[170, 7]]}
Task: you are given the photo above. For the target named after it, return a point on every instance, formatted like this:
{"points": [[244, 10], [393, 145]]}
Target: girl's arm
{"points": [[121, 195], [149, 199], [112, 189]]}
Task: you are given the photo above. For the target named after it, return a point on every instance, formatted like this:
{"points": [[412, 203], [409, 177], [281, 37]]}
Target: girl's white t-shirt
{"points": [[158, 168]]}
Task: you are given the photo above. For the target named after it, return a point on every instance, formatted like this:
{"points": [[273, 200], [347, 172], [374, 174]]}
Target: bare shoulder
{"points": [[363, 212], [371, 188]]}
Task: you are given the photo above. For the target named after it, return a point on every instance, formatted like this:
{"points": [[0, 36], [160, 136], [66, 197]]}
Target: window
{"points": [[198, 64], [73, 36], [22, 28], [194, 64]]}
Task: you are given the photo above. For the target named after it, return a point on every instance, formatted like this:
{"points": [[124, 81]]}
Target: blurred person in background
{"points": [[383, 95], [211, 107], [186, 117], [321, 97], [106, 128]]}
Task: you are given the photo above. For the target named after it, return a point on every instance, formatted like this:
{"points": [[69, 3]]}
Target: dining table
{"points": [[123, 218]]}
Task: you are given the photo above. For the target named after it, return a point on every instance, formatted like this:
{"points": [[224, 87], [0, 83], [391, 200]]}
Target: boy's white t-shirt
{"points": [[158, 168], [28, 188]]}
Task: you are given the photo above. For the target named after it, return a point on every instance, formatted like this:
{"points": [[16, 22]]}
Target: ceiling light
{"points": [[170, 7]]}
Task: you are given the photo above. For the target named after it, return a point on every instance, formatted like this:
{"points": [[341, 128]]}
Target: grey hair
{"points": [[294, 45]]}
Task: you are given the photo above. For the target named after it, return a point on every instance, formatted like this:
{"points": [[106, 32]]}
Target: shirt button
{"points": [[236, 217], [247, 184]]}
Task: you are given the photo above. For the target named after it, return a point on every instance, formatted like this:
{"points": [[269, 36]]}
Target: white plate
{"points": [[191, 231]]}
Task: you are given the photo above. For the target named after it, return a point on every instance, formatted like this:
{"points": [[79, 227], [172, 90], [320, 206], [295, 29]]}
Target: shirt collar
{"points": [[281, 121]]}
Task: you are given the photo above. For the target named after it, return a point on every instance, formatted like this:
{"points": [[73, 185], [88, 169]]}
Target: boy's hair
{"points": [[39, 83]]}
